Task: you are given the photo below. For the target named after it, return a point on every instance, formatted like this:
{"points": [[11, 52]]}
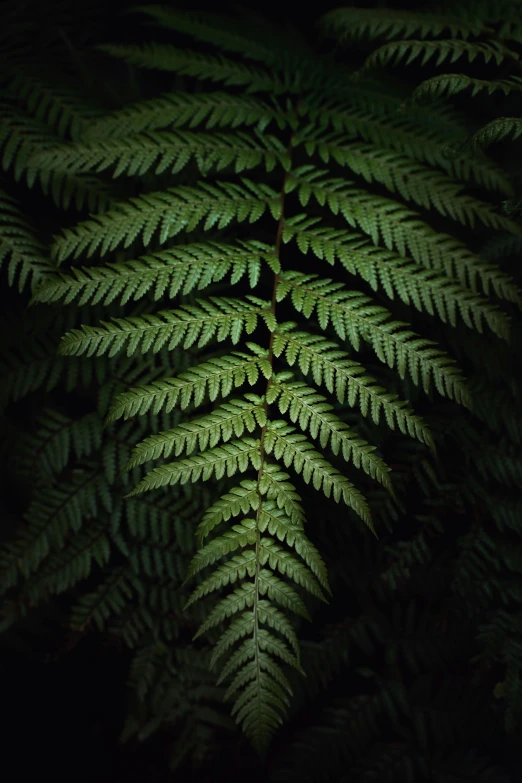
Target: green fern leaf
{"points": [[399, 229], [197, 323], [252, 37], [214, 377], [177, 270], [229, 420], [427, 290], [166, 214], [216, 68], [221, 460], [273, 483], [393, 53], [174, 110], [453, 83], [425, 143], [20, 250], [495, 131], [356, 318], [389, 23], [162, 151], [21, 139], [331, 366], [240, 499], [414, 182], [295, 450], [313, 413]]}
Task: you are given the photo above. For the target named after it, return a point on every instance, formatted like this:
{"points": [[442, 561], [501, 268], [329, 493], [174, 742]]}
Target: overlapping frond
{"points": [[178, 270], [445, 51], [232, 418], [166, 151], [395, 226], [56, 105], [251, 35], [493, 132], [426, 290], [21, 139], [453, 83], [389, 23], [214, 318], [259, 686], [207, 110], [163, 215], [332, 367], [215, 67], [414, 182], [355, 318], [419, 141], [313, 413], [24, 255], [214, 377]]}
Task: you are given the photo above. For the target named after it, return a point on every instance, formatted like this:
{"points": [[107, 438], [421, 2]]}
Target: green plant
{"points": [[282, 212]]}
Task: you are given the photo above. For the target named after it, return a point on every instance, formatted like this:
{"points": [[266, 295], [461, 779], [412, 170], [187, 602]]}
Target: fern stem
{"points": [[277, 250]]}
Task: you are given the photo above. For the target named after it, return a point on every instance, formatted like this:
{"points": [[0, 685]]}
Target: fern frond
{"points": [[407, 555], [49, 449], [244, 625], [506, 467], [33, 365], [425, 144], [313, 413], [233, 457], [214, 377], [166, 151], [51, 103], [21, 139], [208, 110], [253, 38], [237, 536], [453, 83], [239, 566], [251, 664], [437, 121], [394, 53], [240, 499], [275, 519], [215, 68], [495, 131], [414, 182], [70, 565], [178, 270], [231, 419], [294, 450], [427, 290], [229, 468], [400, 229], [274, 483], [24, 255], [57, 511], [388, 23], [282, 517], [165, 214], [332, 367], [355, 317], [159, 562], [198, 323], [109, 598]]}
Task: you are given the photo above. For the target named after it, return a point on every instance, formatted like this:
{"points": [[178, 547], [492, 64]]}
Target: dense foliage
{"points": [[260, 395]]}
